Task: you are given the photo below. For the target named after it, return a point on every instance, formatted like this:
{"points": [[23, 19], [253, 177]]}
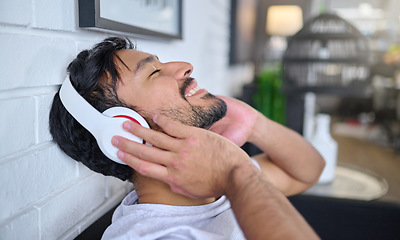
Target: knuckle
{"points": [[180, 165], [142, 154], [172, 181], [142, 169], [154, 140], [175, 164], [184, 155], [191, 142]]}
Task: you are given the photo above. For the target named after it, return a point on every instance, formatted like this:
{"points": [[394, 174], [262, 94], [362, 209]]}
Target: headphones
{"points": [[103, 126]]}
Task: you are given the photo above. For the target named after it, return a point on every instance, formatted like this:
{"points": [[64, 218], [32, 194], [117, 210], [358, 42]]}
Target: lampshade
{"points": [[284, 20]]}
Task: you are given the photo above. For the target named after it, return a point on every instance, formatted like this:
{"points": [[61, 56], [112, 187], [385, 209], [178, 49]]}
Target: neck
{"points": [[156, 192]]}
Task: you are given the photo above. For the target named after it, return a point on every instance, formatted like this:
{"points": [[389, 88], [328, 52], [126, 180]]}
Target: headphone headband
{"points": [[78, 107]]}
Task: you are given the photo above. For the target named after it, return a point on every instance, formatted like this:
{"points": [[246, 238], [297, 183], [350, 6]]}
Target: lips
{"points": [[192, 89]]}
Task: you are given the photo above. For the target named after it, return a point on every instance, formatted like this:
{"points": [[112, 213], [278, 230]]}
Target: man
{"points": [[114, 74]]}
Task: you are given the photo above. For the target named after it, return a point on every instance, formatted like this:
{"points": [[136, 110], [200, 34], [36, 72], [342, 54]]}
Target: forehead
{"points": [[131, 57]]}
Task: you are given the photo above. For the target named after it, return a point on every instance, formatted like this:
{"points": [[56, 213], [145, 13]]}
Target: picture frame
{"points": [[146, 18]]}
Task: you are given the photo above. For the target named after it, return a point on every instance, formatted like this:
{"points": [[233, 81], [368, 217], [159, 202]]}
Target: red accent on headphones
{"points": [[130, 118]]}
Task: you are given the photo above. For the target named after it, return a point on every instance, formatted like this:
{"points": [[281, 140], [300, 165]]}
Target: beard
{"points": [[197, 116]]}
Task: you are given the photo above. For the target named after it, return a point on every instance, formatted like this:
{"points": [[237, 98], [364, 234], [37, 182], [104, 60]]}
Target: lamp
{"points": [[284, 20]]}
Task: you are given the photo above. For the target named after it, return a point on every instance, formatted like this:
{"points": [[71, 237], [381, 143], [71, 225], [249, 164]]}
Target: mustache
{"points": [[184, 86]]}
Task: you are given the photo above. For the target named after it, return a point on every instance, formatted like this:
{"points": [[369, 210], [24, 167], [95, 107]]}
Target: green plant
{"points": [[269, 99]]}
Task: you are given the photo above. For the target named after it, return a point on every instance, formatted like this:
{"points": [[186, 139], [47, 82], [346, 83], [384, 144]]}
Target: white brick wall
{"points": [[44, 194]]}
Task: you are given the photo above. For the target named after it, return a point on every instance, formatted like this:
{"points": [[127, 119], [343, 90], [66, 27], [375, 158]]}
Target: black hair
{"points": [[94, 74]]}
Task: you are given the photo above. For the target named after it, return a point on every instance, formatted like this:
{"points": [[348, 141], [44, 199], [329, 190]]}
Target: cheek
{"points": [[165, 94], [153, 97], [127, 93], [157, 103]]}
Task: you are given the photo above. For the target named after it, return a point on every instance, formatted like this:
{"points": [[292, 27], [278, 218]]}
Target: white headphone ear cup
{"points": [[126, 113], [118, 115]]}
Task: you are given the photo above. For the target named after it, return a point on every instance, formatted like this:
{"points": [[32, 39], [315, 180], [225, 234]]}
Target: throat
{"points": [[156, 192]]}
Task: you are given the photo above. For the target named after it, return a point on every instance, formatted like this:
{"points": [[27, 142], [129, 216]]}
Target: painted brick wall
{"points": [[44, 194]]}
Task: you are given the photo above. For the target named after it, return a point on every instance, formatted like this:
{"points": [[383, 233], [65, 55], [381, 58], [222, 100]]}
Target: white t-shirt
{"points": [[158, 221]]}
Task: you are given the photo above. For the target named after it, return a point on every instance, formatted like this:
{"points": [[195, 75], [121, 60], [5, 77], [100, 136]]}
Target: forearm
{"points": [[287, 149], [262, 211]]}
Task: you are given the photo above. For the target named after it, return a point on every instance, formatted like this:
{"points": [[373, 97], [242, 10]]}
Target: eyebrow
{"points": [[142, 62]]}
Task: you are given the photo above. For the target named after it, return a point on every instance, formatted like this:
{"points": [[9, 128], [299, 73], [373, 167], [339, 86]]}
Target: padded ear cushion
{"points": [[117, 116]]}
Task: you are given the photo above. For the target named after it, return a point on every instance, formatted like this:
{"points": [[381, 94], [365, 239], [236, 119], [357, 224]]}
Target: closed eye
{"points": [[156, 71]]}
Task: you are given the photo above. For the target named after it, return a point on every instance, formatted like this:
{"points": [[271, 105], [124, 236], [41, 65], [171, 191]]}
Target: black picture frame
{"points": [[90, 18]]}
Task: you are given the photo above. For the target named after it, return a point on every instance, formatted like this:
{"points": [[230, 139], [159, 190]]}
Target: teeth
{"points": [[192, 91]]}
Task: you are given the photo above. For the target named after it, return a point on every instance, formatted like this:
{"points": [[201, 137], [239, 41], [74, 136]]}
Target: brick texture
{"points": [[17, 124], [9, 8], [44, 193]]}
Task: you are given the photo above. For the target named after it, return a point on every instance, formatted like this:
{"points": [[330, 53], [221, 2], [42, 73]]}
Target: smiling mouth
{"points": [[192, 91], [189, 88]]}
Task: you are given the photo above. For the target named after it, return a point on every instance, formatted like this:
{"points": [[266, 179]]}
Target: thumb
{"points": [[234, 136]]}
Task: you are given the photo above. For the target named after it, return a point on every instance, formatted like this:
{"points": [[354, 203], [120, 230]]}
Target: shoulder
{"points": [[157, 221]]}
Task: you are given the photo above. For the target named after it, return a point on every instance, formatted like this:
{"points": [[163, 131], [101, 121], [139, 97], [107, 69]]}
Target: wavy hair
{"points": [[94, 74]]}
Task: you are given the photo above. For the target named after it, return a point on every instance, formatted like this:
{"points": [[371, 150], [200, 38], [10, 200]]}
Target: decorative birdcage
{"points": [[328, 55]]}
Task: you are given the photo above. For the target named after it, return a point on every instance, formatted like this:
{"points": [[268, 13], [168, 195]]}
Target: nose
{"points": [[180, 70]]}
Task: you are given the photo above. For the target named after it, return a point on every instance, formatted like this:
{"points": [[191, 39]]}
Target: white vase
{"points": [[326, 146], [309, 115]]}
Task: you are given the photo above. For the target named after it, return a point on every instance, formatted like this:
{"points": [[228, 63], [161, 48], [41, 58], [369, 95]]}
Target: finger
{"points": [[171, 127], [145, 168], [142, 151], [157, 139]]}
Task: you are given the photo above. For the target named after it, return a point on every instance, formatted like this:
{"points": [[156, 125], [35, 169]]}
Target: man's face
{"points": [[165, 88]]}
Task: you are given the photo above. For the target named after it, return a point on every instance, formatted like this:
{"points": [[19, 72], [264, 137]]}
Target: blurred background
{"points": [[329, 70], [333, 58]]}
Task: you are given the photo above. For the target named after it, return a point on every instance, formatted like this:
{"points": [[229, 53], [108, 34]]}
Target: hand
{"points": [[194, 162], [238, 123]]}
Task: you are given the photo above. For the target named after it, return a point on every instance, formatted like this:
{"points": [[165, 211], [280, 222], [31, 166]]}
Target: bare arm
{"points": [[262, 211], [288, 161]]}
